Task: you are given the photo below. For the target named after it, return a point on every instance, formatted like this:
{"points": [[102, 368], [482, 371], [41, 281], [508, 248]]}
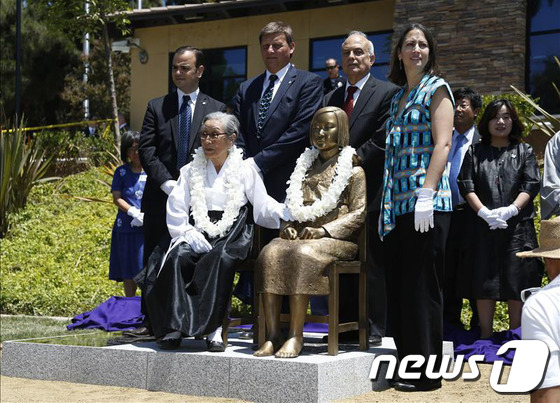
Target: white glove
{"points": [[137, 221], [505, 213], [424, 210], [494, 221], [168, 186], [197, 241], [133, 212]]}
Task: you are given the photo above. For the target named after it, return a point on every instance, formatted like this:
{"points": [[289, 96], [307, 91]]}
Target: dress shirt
{"points": [[192, 102], [469, 134], [360, 84], [280, 74], [267, 212]]}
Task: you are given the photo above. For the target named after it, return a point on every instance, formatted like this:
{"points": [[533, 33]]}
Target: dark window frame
{"points": [[339, 56]]}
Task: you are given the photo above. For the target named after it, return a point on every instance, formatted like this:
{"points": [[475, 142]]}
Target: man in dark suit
{"points": [[366, 100], [275, 110], [334, 80], [467, 105], [169, 137]]}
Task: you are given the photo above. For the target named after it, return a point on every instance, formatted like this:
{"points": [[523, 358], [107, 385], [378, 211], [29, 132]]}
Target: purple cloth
{"points": [[117, 313], [467, 343]]}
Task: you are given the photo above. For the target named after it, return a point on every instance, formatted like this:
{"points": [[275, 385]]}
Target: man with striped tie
{"points": [[169, 137], [275, 109]]}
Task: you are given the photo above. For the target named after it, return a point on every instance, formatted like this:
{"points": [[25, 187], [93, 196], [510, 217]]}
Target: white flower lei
{"points": [[294, 194], [234, 192]]}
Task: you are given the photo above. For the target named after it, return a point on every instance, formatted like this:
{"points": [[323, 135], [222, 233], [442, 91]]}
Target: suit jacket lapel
{"points": [[286, 83], [174, 121], [199, 114], [365, 95]]}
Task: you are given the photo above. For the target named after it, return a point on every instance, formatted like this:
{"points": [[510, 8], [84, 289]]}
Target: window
{"points": [[325, 48], [543, 44], [224, 70]]}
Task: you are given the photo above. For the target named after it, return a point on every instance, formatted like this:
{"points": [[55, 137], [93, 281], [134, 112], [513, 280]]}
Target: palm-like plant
{"points": [[549, 124], [22, 164]]}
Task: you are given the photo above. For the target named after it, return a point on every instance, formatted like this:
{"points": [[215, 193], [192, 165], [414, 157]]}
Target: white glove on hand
{"points": [[133, 212], [424, 210], [505, 213], [168, 186], [137, 221], [494, 221], [197, 241]]}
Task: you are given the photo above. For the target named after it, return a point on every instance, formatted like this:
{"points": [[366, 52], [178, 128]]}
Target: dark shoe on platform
{"points": [[375, 340], [246, 335], [408, 386], [139, 331], [169, 343], [216, 346]]}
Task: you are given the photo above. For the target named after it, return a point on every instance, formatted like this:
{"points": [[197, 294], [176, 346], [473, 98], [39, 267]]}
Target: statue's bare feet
{"points": [[268, 348], [291, 348]]}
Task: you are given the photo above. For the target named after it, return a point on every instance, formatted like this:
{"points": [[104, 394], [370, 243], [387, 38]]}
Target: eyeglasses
{"points": [[211, 136], [331, 67]]}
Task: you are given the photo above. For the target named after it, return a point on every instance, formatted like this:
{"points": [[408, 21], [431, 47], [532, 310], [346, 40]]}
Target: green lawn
{"points": [[26, 327]]}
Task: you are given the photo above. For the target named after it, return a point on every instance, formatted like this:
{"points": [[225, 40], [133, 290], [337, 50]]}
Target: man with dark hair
{"points": [[366, 100], [334, 80], [465, 133], [168, 138], [275, 109]]}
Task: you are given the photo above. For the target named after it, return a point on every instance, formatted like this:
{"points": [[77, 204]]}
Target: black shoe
{"points": [[216, 346], [139, 331], [375, 340], [170, 343], [408, 386]]}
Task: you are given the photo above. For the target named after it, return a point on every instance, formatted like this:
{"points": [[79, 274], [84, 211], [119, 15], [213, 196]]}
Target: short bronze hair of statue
{"points": [[343, 138], [490, 112], [276, 27], [397, 74]]}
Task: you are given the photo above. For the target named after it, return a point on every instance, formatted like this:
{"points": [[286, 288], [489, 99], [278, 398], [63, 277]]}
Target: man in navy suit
{"points": [[334, 80], [164, 148], [467, 105], [275, 110], [366, 100]]}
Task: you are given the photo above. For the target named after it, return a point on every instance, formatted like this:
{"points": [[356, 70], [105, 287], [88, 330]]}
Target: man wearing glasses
{"points": [[334, 80], [169, 137]]}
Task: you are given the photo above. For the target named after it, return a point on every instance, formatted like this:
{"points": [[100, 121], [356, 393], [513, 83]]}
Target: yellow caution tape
{"points": [[83, 123]]}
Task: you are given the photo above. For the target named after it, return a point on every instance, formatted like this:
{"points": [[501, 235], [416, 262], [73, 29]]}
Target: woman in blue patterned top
{"points": [[127, 242], [416, 200]]}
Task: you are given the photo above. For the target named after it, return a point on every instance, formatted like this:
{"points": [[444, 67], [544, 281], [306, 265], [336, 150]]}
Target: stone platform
{"points": [[312, 377]]}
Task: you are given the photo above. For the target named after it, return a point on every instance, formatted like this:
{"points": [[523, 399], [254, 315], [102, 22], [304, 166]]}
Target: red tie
{"points": [[348, 105]]}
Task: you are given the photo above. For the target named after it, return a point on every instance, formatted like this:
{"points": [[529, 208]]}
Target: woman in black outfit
{"points": [[499, 179]]}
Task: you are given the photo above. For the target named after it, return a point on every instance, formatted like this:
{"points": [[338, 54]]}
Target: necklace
{"points": [[294, 193], [234, 192]]}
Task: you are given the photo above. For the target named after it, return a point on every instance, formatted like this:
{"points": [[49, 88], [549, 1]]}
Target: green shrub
{"points": [[55, 259], [22, 163]]}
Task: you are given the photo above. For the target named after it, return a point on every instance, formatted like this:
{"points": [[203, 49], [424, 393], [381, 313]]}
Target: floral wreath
{"points": [[294, 194], [234, 192]]}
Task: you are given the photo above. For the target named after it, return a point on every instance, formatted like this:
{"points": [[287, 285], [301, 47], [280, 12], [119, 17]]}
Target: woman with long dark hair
{"points": [[416, 201], [499, 179]]}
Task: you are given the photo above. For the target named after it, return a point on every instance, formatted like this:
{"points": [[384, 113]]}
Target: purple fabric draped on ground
{"points": [[466, 343], [117, 313]]}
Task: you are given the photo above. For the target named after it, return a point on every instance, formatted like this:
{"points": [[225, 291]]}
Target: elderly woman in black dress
{"points": [[187, 289], [499, 179]]}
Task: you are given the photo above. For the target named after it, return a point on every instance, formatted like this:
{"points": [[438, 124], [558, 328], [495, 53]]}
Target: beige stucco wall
{"points": [[150, 80]]}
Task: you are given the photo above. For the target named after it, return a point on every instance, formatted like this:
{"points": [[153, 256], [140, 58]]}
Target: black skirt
{"points": [[191, 293]]}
